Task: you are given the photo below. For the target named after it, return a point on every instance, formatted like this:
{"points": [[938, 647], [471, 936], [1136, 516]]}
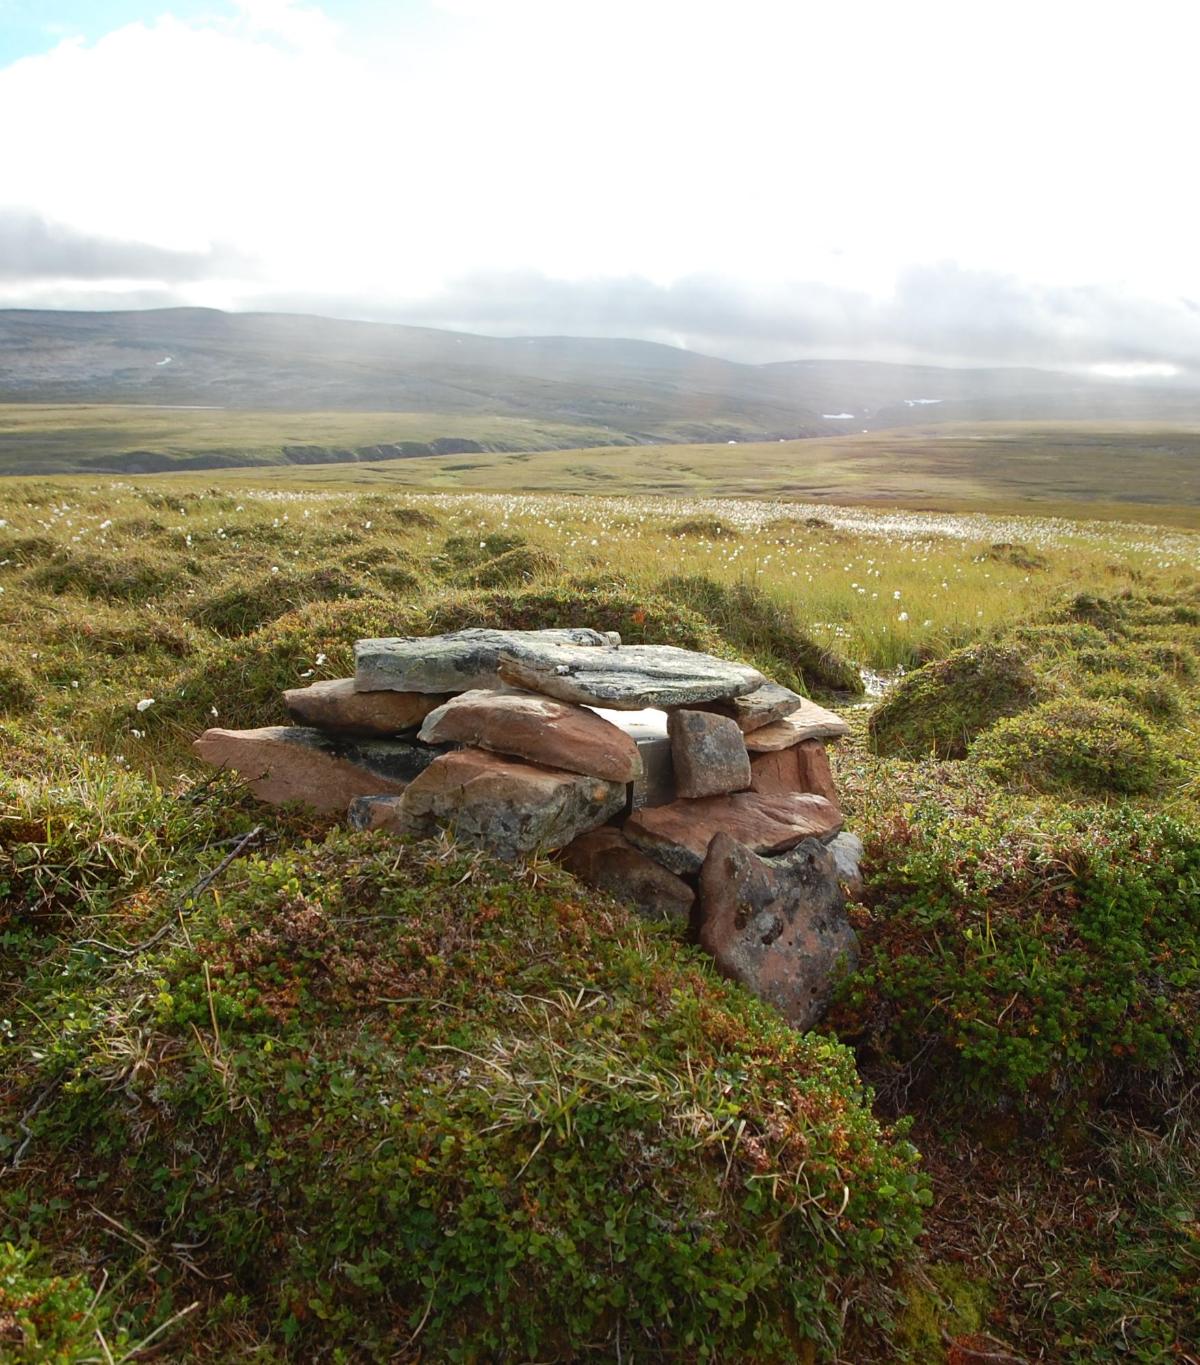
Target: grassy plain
{"points": [[1066, 468], [335, 1097]]}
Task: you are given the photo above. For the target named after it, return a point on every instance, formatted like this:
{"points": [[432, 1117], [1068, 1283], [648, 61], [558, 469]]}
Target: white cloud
{"points": [[771, 144]]}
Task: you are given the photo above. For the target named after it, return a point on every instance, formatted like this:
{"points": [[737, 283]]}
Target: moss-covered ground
{"points": [[272, 1092]]}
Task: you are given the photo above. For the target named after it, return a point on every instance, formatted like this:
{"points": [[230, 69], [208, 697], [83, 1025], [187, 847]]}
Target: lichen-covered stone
{"points": [[505, 805], [458, 662], [765, 704], [629, 678], [708, 754], [777, 925]]}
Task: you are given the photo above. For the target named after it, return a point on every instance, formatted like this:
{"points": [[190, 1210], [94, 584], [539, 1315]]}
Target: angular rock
{"points": [[373, 812], [807, 721], [802, 768], [708, 754], [765, 704], [628, 678], [335, 705], [553, 733], [458, 662], [847, 850], [778, 926], [294, 763], [505, 805], [605, 859], [678, 835]]}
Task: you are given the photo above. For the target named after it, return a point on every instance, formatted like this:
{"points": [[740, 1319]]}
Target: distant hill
{"points": [[446, 388]]}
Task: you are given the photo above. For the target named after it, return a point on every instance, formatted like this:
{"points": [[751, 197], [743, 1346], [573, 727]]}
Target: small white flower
{"points": [[320, 660], [104, 525], [366, 525], [138, 734], [212, 710], [903, 616], [145, 704], [308, 672], [74, 682], [274, 568], [896, 595]]}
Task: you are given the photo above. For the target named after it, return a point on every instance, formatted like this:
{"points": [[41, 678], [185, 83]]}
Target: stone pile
{"points": [[686, 784]]}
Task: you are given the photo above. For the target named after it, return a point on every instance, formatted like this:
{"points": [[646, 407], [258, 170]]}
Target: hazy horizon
{"points": [[940, 184]]}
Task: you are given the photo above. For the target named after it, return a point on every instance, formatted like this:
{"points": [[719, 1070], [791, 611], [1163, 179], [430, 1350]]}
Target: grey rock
{"points": [[655, 786], [847, 850], [506, 806], [461, 661], [708, 754], [777, 925], [765, 704], [629, 678]]}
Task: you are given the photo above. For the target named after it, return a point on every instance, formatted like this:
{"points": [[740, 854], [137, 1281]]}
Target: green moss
{"points": [[517, 565], [707, 528], [942, 1304], [246, 606], [115, 576], [766, 631], [938, 710], [17, 691], [436, 1095], [1075, 744], [1031, 961]]}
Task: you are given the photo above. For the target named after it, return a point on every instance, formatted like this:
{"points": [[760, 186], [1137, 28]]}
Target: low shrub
{"points": [[1018, 555], [247, 606], [1156, 698], [518, 565], [706, 528], [413, 519], [444, 1099], [48, 1319], [766, 631], [939, 709], [1069, 744], [17, 692], [117, 576], [1036, 964]]}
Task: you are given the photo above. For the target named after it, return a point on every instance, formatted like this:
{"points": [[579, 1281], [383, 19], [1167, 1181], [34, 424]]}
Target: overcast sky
{"points": [[964, 181]]}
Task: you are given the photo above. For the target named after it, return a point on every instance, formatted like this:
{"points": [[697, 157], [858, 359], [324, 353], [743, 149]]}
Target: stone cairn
{"points": [[685, 784]]}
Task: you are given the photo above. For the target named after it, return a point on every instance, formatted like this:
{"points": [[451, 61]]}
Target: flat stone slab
{"points": [[505, 805], [295, 763], [337, 706], [553, 733], [678, 835], [605, 859], [778, 926], [708, 754], [628, 678], [765, 704], [807, 721], [461, 661], [802, 768]]}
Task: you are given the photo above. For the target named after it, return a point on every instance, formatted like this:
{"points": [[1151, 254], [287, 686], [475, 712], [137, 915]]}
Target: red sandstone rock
{"points": [[605, 859], [294, 763], [708, 754], [807, 721], [677, 835], [335, 706], [802, 768], [556, 734], [779, 927]]}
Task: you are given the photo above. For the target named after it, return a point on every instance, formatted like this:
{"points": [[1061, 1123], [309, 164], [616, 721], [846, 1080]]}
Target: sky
{"points": [[934, 180]]}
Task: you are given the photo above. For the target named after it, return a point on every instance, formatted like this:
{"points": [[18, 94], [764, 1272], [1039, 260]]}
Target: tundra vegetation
{"points": [[275, 1091]]}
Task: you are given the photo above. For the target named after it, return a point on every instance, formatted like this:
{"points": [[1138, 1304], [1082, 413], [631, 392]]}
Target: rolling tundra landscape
{"points": [[599, 684]]}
